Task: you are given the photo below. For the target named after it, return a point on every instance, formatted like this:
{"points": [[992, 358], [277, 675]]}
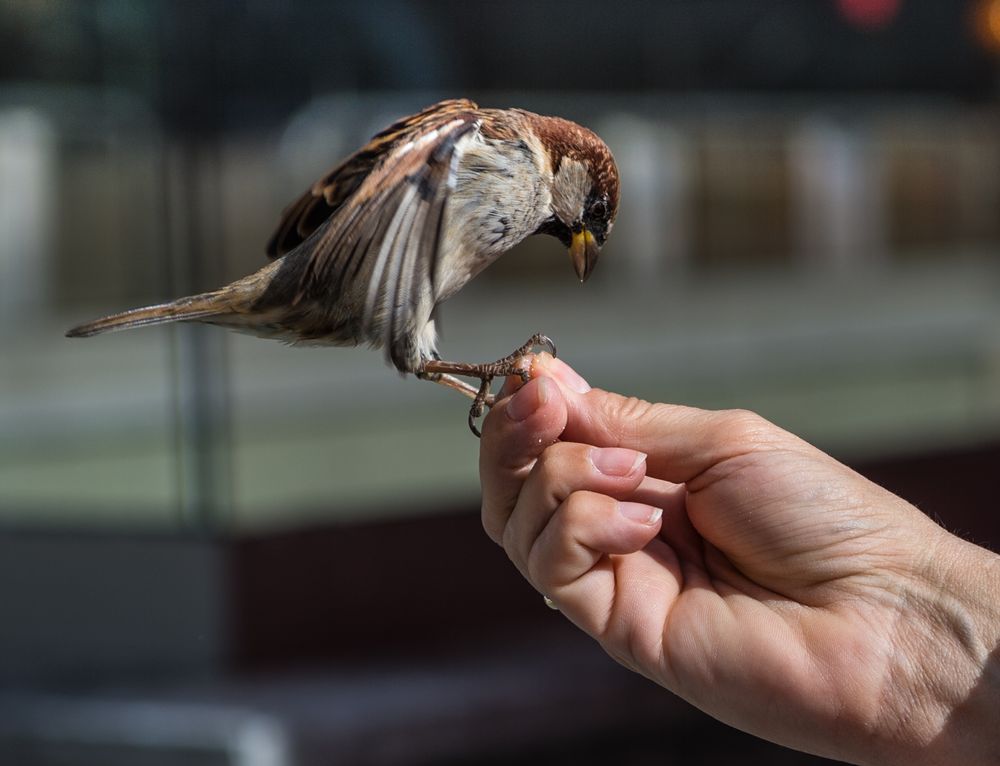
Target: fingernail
{"points": [[528, 399], [565, 374], [616, 461], [644, 514]]}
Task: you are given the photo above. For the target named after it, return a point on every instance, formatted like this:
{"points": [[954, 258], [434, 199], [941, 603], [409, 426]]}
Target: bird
{"points": [[369, 252]]}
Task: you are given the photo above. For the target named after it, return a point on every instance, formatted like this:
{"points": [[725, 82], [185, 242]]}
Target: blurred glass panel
{"points": [[742, 205], [85, 431], [944, 188]]}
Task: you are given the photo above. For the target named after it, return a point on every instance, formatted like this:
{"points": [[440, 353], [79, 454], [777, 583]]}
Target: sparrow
{"points": [[372, 249]]}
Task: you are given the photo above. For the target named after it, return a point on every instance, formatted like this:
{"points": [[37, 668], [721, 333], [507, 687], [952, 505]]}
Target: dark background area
{"points": [[216, 550]]}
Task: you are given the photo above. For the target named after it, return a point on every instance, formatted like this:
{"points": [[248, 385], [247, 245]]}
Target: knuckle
{"points": [[575, 506], [627, 416], [516, 544], [520, 560], [506, 534], [507, 537], [555, 465], [537, 568], [519, 557], [745, 427], [559, 535], [492, 526], [634, 407], [545, 465], [579, 509]]}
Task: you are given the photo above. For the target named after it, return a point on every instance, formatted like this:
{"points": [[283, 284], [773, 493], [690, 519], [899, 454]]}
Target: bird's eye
{"points": [[599, 209]]}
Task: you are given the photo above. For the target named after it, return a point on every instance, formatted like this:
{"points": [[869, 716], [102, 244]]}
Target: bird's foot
{"points": [[515, 363]]}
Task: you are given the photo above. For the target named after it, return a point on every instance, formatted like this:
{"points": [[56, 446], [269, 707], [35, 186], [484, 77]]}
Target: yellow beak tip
{"points": [[583, 251]]}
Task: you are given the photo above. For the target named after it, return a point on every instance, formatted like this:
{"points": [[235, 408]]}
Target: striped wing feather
{"points": [[321, 200], [387, 235]]}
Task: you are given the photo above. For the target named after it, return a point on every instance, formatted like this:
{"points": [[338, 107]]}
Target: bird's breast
{"points": [[501, 196]]}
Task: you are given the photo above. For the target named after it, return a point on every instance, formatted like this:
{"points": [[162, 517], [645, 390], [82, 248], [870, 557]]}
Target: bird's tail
{"points": [[181, 310]]}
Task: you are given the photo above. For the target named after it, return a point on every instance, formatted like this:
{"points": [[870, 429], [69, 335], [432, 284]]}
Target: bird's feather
{"points": [[193, 307], [388, 238], [321, 200]]}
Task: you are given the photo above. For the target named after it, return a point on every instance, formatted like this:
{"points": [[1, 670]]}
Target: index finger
{"points": [[682, 442], [515, 432]]}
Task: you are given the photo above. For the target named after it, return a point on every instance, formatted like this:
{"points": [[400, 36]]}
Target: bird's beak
{"points": [[583, 251]]}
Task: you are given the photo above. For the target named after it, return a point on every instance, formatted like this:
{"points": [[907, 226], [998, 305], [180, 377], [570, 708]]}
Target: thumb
{"points": [[682, 442]]}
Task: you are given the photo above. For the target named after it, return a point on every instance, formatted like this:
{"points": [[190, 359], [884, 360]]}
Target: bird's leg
{"points": [[513, 364], [452, 382]]}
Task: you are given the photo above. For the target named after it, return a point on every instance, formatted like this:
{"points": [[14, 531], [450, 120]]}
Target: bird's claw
{"points": [[511, 364], [483, 400], [538, 340]]}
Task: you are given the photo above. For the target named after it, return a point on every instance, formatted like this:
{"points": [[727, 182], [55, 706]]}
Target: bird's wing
{"points": [[321, 200], [386, 235]]}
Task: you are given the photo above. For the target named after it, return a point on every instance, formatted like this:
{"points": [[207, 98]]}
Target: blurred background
{"points": [[219, 550]]}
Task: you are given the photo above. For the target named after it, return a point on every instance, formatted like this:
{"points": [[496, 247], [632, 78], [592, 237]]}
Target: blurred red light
{"points": [[869, 14]]}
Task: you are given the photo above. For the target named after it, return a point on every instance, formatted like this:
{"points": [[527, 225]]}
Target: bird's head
{"points": [[585, 190]]}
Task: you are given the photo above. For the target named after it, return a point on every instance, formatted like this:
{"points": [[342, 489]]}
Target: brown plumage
{"points": [[372, 248]]}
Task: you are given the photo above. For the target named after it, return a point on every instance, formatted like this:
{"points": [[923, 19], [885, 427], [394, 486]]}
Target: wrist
{"points": [[971, 579], [945, 683]]}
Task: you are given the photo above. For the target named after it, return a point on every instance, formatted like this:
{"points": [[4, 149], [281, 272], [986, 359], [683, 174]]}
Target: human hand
{"points": [[780, 591]]}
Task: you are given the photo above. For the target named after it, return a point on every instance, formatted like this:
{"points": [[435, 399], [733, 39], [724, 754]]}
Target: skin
{"points": [[748, 572]]}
